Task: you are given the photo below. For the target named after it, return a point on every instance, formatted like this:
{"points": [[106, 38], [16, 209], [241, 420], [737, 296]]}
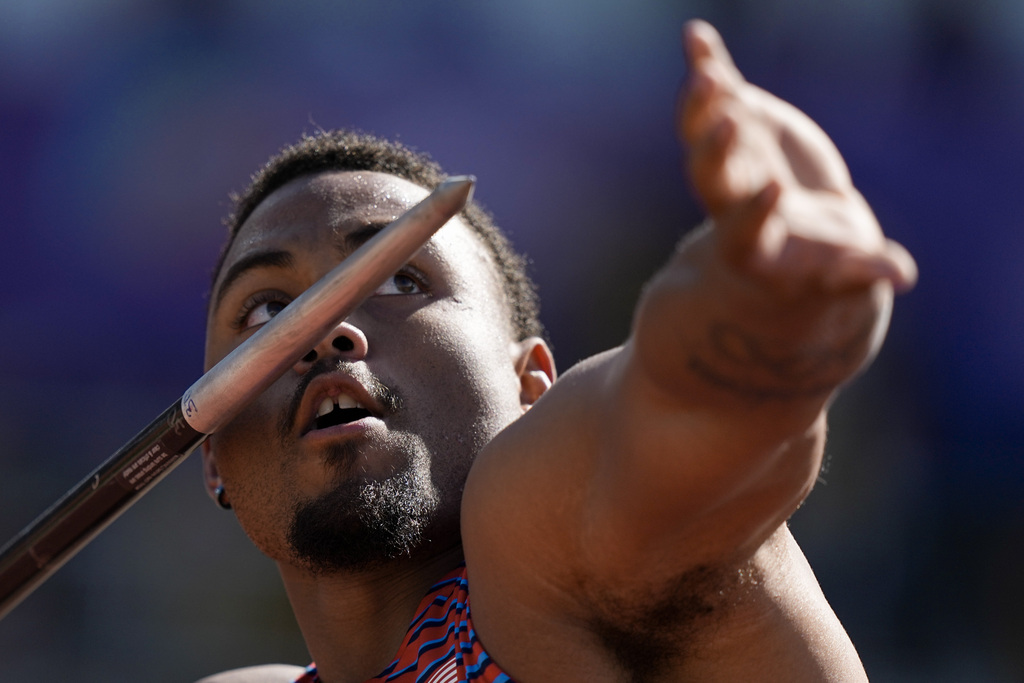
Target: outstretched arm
{"points": [[793, 264], [648, 489], [790, 232], [741, 340]]}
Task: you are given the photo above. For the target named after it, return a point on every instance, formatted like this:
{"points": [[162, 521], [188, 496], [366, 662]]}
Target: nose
{"points": [[345, 341]]}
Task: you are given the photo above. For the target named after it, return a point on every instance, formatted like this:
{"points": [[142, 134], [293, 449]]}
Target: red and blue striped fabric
{"points": [[440, 645]]}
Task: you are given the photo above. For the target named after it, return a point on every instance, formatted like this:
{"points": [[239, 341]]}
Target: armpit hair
{"points": [[650, 633]]}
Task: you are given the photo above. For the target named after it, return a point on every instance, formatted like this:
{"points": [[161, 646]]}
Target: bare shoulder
{"points": [[265, 673]]}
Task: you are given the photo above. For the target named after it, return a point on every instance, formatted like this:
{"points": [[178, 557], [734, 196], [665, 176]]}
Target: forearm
{"points": [[713, 422], [716, 337]]}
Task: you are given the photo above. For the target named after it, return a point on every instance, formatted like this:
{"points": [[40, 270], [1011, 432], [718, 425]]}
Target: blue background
{"points": [[125, 124]]}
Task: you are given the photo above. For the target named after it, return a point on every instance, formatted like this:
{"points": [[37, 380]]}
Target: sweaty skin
{"points": [[628, 522]]}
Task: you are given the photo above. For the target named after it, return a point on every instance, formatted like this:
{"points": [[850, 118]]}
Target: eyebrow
{"points": [[345, 244], [260, 259], [354, 239]]}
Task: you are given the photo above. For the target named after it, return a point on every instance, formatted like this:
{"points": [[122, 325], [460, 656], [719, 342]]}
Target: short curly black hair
{"points": [[344, 150]]}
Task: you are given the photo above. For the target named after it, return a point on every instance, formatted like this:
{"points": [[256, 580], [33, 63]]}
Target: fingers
{"points": [[747, 149], [855, 269], [798, 264], [723, 170], [904, 266], [702, 42], [755, 237], [716, 114], [708, 158], [894, 264], [713, 79], [746, 237], [700, 103]]}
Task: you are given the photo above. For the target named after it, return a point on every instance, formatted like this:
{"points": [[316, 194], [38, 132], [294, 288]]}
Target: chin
{"points": [[361, 524]]}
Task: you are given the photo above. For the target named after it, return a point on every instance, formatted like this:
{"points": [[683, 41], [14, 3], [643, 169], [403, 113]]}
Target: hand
{"points": [[784, 207]]}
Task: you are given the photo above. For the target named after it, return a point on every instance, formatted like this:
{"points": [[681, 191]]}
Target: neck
{"points": [[354, 622]]}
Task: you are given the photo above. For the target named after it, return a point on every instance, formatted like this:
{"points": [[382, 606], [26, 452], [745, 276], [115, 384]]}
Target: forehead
{"points": [[311, 215], [328, 202]]}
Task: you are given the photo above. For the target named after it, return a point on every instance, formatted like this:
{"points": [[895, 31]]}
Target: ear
{"points": [[211, 476], [535, 367]]}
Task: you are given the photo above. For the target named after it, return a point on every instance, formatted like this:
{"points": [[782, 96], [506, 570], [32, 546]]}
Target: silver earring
{"points": [[224, 505]]}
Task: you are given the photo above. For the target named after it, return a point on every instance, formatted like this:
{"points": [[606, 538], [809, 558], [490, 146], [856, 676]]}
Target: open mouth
{"points": [[339, 410]]}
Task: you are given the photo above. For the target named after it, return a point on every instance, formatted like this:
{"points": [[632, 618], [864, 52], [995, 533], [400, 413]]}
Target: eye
{"points": [[400, 283], [260, 308]]}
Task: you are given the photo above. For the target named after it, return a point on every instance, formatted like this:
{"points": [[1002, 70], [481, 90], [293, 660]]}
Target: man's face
{"points": [[429, 359]]}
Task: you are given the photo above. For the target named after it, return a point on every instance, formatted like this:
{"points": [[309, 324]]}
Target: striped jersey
{"points": [[440, 645]]}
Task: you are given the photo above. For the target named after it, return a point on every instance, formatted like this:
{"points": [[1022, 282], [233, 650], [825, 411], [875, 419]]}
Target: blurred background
{"points": [[125, 124]]}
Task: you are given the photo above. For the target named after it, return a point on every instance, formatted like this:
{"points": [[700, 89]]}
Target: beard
{"points": [[361, 524]]}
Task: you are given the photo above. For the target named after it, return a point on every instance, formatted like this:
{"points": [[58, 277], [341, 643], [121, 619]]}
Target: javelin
{"points": [[217, 397]]}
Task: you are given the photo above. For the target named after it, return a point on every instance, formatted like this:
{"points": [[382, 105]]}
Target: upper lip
{"points": [[332, 385]]}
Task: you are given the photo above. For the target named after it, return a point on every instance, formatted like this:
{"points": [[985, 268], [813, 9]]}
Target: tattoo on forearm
{"points": [[746, 364], [753, 391]]}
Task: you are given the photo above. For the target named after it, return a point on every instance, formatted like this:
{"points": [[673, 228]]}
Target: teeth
{"points": [[343, 401], [325, 407]]}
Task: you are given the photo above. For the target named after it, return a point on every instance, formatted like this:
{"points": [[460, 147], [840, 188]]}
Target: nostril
{"points": [[343, 343], [309, 357]]}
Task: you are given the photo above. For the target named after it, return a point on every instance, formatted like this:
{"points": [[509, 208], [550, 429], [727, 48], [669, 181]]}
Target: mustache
{"points": [[382, 394]]}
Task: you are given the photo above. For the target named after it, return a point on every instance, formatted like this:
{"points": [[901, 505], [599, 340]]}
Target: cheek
{"points": [[237, 451], [248, 460], [466, 370]]}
